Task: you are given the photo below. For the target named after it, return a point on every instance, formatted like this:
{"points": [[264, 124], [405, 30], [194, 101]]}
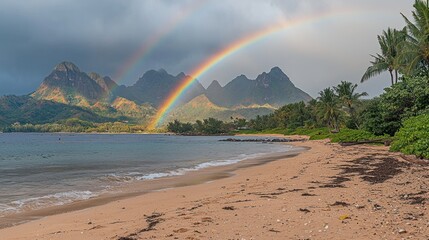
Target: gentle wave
{"points": [[181, 171], [56, 199]]}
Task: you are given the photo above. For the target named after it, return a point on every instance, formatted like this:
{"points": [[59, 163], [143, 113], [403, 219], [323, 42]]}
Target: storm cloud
{"points": [[101, 35]]}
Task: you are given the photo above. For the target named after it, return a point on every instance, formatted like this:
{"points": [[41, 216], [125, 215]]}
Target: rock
{"points": [[401, 231], [377, 207]]}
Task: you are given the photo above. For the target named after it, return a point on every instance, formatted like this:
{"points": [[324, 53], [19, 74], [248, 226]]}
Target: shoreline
{"points": [[328, 192], [137, 188]]}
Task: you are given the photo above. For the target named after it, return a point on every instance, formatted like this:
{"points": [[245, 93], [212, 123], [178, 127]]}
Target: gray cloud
{"points": [[101, 35]]}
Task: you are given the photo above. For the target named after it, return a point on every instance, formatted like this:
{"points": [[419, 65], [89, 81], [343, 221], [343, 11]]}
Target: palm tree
{"points": [[416, 48], [349, 98], [312, 109], [329, 108], [390, 42]]}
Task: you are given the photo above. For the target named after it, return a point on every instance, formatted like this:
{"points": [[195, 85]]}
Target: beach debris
{"points": [[308, 195], [96, 227], [127, 238], [344, 217], [152, 221], [340, 203], [401, 231], [230, 208], [262, 140], [240, 201], [274, 194], [304, 210], [377, 207], [274, 230], [295, 190], [411, 216], [359, 206], [206, 219], [339, 179], [415, 198], [195, 207], [332, 186], [181, 230]]}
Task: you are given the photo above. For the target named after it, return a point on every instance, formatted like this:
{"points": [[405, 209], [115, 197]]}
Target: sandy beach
{"points": [[326, 192]]}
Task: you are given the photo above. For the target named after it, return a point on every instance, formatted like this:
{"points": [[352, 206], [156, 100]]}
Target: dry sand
{"points": [[328, 192]]}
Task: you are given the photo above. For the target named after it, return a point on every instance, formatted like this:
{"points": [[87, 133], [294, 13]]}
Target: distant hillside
{"points": [[201, 108], [25, 109], [132, 109], [273, 88]]}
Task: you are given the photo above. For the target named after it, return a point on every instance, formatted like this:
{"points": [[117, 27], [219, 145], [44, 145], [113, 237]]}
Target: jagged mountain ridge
{"points": [[67, 84], [273, 88], [90, 93], [154, 86]]}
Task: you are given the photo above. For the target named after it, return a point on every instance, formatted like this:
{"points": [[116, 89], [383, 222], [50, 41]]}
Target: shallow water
{"points": [[41, 170]]}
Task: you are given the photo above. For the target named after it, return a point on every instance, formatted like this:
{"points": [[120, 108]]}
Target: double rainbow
{"points": [[210, 62]]}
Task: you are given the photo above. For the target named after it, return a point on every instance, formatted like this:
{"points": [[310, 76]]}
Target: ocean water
{"points": [[41, 170]]}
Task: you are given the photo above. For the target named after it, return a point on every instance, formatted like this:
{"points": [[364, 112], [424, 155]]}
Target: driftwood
{"points": [[379, 141]]}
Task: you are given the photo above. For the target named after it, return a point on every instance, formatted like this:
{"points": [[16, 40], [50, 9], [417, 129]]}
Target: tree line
{"points": [[210, 126]]}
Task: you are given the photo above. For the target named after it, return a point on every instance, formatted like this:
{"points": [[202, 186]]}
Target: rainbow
{"points": [[148, 45], [210, 62]]}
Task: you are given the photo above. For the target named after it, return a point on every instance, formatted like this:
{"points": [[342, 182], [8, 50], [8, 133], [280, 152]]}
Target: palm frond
{"points": [[375, 69]]}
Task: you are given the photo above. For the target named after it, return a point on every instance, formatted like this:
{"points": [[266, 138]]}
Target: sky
{"points": [[104, 36]]}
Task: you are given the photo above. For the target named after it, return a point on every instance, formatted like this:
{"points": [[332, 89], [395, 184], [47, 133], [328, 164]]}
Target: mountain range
{"points": [[92, 97]]}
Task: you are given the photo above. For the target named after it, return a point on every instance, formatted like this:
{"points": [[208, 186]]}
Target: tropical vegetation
{"points": [[208, 126], [400, 113], [413, 137]]}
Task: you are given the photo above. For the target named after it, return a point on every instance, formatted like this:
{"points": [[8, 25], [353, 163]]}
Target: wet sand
{"points": [[327, 192]]}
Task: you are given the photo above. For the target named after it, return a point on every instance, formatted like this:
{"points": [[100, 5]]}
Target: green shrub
{"points": [[413, 137], [313, 133]]}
